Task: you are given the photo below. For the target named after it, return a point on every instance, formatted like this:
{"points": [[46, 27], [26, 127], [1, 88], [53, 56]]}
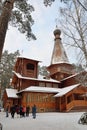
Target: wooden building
{"points": [[60, 92]]}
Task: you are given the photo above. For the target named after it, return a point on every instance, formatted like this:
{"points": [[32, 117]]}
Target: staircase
{"points": [[79, 109]]}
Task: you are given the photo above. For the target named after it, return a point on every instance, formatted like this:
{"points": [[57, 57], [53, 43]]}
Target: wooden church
{"points": [[61, 92]]}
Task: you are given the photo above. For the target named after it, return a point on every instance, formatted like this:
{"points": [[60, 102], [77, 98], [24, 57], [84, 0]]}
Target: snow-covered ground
{"points": [[43, 121]]}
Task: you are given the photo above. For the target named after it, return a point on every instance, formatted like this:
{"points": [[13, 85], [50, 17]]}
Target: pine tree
{"points": [[18, 12]]}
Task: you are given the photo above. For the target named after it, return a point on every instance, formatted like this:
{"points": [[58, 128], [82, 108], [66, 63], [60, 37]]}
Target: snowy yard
{"points": [[43, 121]]}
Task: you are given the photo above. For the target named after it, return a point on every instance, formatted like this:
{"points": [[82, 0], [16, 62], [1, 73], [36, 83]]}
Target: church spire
{"points": [[59, 54]]}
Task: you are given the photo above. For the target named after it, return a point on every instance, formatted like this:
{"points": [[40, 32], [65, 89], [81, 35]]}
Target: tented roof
{"points": [[59, 54]]}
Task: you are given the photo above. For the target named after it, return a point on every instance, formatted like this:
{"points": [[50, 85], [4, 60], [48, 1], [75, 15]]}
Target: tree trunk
{"points": [[4, 19]]}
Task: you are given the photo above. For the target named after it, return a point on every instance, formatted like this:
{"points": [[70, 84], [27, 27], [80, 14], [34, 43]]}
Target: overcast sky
{"points": [[45, 23]]}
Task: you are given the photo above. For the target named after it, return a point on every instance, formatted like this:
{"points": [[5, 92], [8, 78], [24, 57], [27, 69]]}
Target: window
{"points": [[55, 85], [78, 97], [41, 84], [48, 84], [30, 66], [69, 98]]}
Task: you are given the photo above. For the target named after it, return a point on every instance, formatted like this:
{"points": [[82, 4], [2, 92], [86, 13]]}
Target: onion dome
{"points": [[57, 32]]}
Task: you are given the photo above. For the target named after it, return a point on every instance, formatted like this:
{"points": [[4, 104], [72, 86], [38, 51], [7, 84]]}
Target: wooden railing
{"points": [[69, 106], [75, 103]]}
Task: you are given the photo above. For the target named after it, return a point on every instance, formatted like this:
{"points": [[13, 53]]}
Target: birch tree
{"points": [[74, 26]]}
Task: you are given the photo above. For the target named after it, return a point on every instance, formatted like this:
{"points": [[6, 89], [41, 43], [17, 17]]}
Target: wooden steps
{"points": [[79, 109]]}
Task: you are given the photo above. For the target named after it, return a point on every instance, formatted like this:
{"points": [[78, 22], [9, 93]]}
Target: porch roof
{"points": [[41, 89], [12, 93], [66, 90]]}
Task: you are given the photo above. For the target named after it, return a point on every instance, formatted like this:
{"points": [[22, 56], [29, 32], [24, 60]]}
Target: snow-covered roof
{"points": [[62, 62], [69, 77], [60, 91], [73, 75], [45, 80], [24, 57], [11, 93], [66, 90], [41, 89]]}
